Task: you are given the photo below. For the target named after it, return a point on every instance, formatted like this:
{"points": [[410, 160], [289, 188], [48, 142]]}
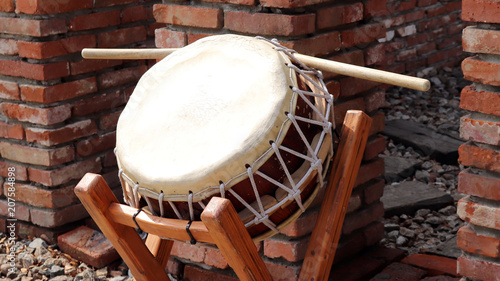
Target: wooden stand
{"points": [[220, 223]]}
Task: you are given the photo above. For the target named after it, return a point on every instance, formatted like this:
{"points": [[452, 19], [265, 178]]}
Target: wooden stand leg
{"points": [[234, 241], [96, 196], [326, 234], [160, 248]]}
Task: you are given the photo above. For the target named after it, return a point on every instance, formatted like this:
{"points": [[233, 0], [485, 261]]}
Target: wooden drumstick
{"points": [[318, 63]]}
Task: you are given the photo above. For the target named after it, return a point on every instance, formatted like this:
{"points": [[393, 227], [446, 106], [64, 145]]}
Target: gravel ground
{"points": [[33, 259], [437, 109]]}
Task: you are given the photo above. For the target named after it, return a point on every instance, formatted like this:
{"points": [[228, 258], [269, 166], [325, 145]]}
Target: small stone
{"points": [[391, 226], [407, 232], [434, 220], [56, 270], [393, 234], [401, 241], [423, 212], [37, 243], [423, 176], [448, 211]]}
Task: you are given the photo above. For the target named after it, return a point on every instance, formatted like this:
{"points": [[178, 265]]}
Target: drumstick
{"points": [[318, 63]]}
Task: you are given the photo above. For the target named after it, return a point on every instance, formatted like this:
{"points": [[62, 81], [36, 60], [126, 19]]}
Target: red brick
{"points": [[375, 55], [98, 103], [193, 37], [400, 271], [355, 57], [349, 246], [36, 156], [8, 47], [354, 202], [109, 159], [32, 27], [55, 218], [341, 109], [7, 6], [50, 137], [436, 11], [188, 15], [58, 92], [50, 6], [94, 20], [20, 171], [424, 3], [373, 191], [450, 42], [335, 16], [434, 265], [318, 45], [481, 101], [483, 158], [477, 40], [166, 38], [406, 55], [373, 233], [110, 3], [481, 71], [190, 252], [21, 212], [270, 24], [175, 268], [376, 8], [290, 4], [283, 272], [96, 144], [479, 214], [362, 218], [478, 269], [414, 16], [302, 226], [45, 198], [238, 2], [137, 13], [121, 37], [42, 50], [363, 34], [214, 257], [36, 115], [351, 86], [480, 11], [194, 273], [470, 241], [375, 100], [294, 250], [120, 77], [65, 174], [29, 230], [109, 121], [479, 183], [478, 130], [401, 6], [89, 246], [370, 170], [378, 123], [437, 57], [85, 66], [11, 131], [42, 72]]}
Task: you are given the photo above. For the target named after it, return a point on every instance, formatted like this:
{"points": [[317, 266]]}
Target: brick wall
{"points": [[480, 239], [402, 36], [57, 111]]}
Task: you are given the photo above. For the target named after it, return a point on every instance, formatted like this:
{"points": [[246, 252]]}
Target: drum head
{"points": [[201, 114]]}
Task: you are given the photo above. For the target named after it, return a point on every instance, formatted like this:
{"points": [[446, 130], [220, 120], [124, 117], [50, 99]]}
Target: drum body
{"points": [[228, 116]]}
